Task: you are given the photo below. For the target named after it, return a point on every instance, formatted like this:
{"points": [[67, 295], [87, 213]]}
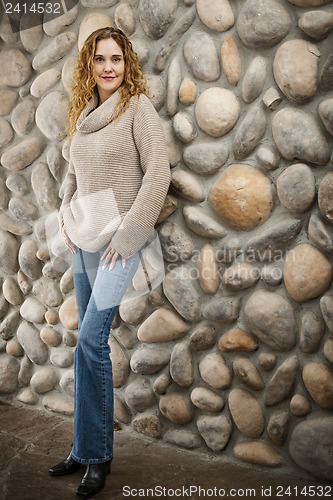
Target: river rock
{"points": [[162, 325], [177, 408], [120, 363], [242, 196], [258, 453], [254, 80], [67, 281], [27, 397], [215, 430], [300, 405], [187, 186], [9, 368], [17, 68], [206, 400], [23, 283], [17, 183], [246, 413], [271, 275], [249, 133], [26, 371], [267, 157], [150, 425], [296, 188], [174, 79], [262, 23], [139, 395], [307, 272], [231, 61], [23, 209], [156, 16], [23, 154], [203, 337], [182, 437], [270, 245], [184, 127], [67, 382], [156, 90], [44, 82], [51, 317], [271, 318], [133, 311], [68, 314], [54, 51], [44, 380], [325, 197], [147, 360], [277, 427], [11, 292], [13, 348], [225, 309], [311, 331], [325, 110], [297, 135], [51, 115], [53, 26], [9, 325], [328, 349], [202, 224], [177, 244], [8, 253], [180, 290], [316, 24], [318, 380], [245, 370], [310, 445], [63, 358], [44, 187], [6, 133], [237, 340], [181, 365], [50, 336], [142, 49], [13, 225], [267, 360], [173, 149], [7, 101], [31, 36], [201, 56], [162, 383], [187, 91], [240, 276], [282, 383], [32, 310], [121, 412], [125, 336], [124, 18], [295, 70], [214, 371], [69, 339], [59, 403], [217, 110], [23, 117], [206, 157], [208, 270], [35, 349], [218, 16], [28, 261]]}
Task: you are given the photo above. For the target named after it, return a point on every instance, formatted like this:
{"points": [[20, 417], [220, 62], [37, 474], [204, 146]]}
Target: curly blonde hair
{"points": [[84, 85]]}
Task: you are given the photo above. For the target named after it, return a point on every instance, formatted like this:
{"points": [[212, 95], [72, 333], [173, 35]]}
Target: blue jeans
{"points": [[98, 294]]}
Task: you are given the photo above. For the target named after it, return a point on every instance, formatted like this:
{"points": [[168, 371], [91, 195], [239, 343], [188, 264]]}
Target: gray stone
{"points": [[201, 56], [184, 127], [44, 187], [133, 311], [267, 157], [271, 318], [6, 133], [32, 310], [316, 23], [35, 349], [186, 185], [11, 292], [202, 224], [181, 365], [59, 403], [173, 84], [177, 244], [267, 360], [326, 75], [26, 371], [206, 400], [297, 135], [156, 16], [125, 336], [50, 336], [44, 380], [23, 283], [249, 133], [27, 397], [9, 368], [67, 382], [205, 157], [325, 197], [156, 90], [16, 68], [63, 358], [272, 98], [7, 101], [214, 371], [121, 412], [172, 39], [31, 37], [325, 110], [273, 242], [311, 331], [162, 383], [23, 117], [69, 339], [295, 70], [3, 306], [139, 395], [247, 413], [55, 161], [215, 430], [9, 324], [23, 209], [125, 19], [23, 154], [310, 443], [296, 188], [180, 290], [262, 23], [216, 16], [53, 25], [240, 276], [68, 72], [51, 115], [120, 363], [177, 408], [17, 184], [245, 370], [203, 337], [272, 275], [14, 225], [28, 261], [173, 149], [224, 309], [44, 82], [277, 428], [141, 48], [328, 349], [217, 110], [8, 253], [183, 438], [283, 381], [254, 79], [150, 425], [54, 51], [147, 360]]}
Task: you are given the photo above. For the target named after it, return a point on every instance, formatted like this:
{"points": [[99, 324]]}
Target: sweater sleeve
{"points": [[70, 188], [138, 224]]}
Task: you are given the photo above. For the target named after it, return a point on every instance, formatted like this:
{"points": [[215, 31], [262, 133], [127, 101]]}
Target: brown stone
{"points": [[162, 325], [231, 61], [68, 313], [237, 340], [177, 408], [318, 380], [187, 92], [258, 453], [207, 268], [246, 413]]}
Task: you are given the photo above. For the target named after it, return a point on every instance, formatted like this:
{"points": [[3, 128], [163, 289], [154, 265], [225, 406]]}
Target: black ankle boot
{"points": [[94, 479], [67, 466]]}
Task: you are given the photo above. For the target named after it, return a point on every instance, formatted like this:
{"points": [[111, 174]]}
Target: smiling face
{"points": [[108, 68]]}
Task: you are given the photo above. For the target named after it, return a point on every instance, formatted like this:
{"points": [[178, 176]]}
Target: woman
{"points": [[115, 187]]}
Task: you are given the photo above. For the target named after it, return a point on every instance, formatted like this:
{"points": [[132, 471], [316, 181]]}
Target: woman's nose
{"points": [[108, 66]]}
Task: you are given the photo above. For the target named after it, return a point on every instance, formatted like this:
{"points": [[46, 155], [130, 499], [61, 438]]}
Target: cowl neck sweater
{"points": [[118, 176]]}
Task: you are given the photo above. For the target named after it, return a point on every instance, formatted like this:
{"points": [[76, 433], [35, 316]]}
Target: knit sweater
{"points": [[118, 176]]}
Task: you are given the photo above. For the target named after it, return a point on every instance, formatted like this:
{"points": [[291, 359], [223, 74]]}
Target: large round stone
{"points": [[318, 380], [217, 15], [246, 413], [242, 197], [51, 115], [156, 15], [68, 313], [307, 272], [310, 446], [177, 408], [22, 154], [296, 188], [162, 325], [217, 111], [201, 56], [16, 69]]}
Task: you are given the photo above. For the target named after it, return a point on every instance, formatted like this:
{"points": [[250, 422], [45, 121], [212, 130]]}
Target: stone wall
{"points": [[234, 353]]}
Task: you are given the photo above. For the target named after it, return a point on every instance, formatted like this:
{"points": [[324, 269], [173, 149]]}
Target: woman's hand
{"points": [[111, 255], [67, 240]]}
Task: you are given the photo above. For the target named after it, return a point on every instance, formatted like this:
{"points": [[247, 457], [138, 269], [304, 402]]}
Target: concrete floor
{"points": [[31, 441]]}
